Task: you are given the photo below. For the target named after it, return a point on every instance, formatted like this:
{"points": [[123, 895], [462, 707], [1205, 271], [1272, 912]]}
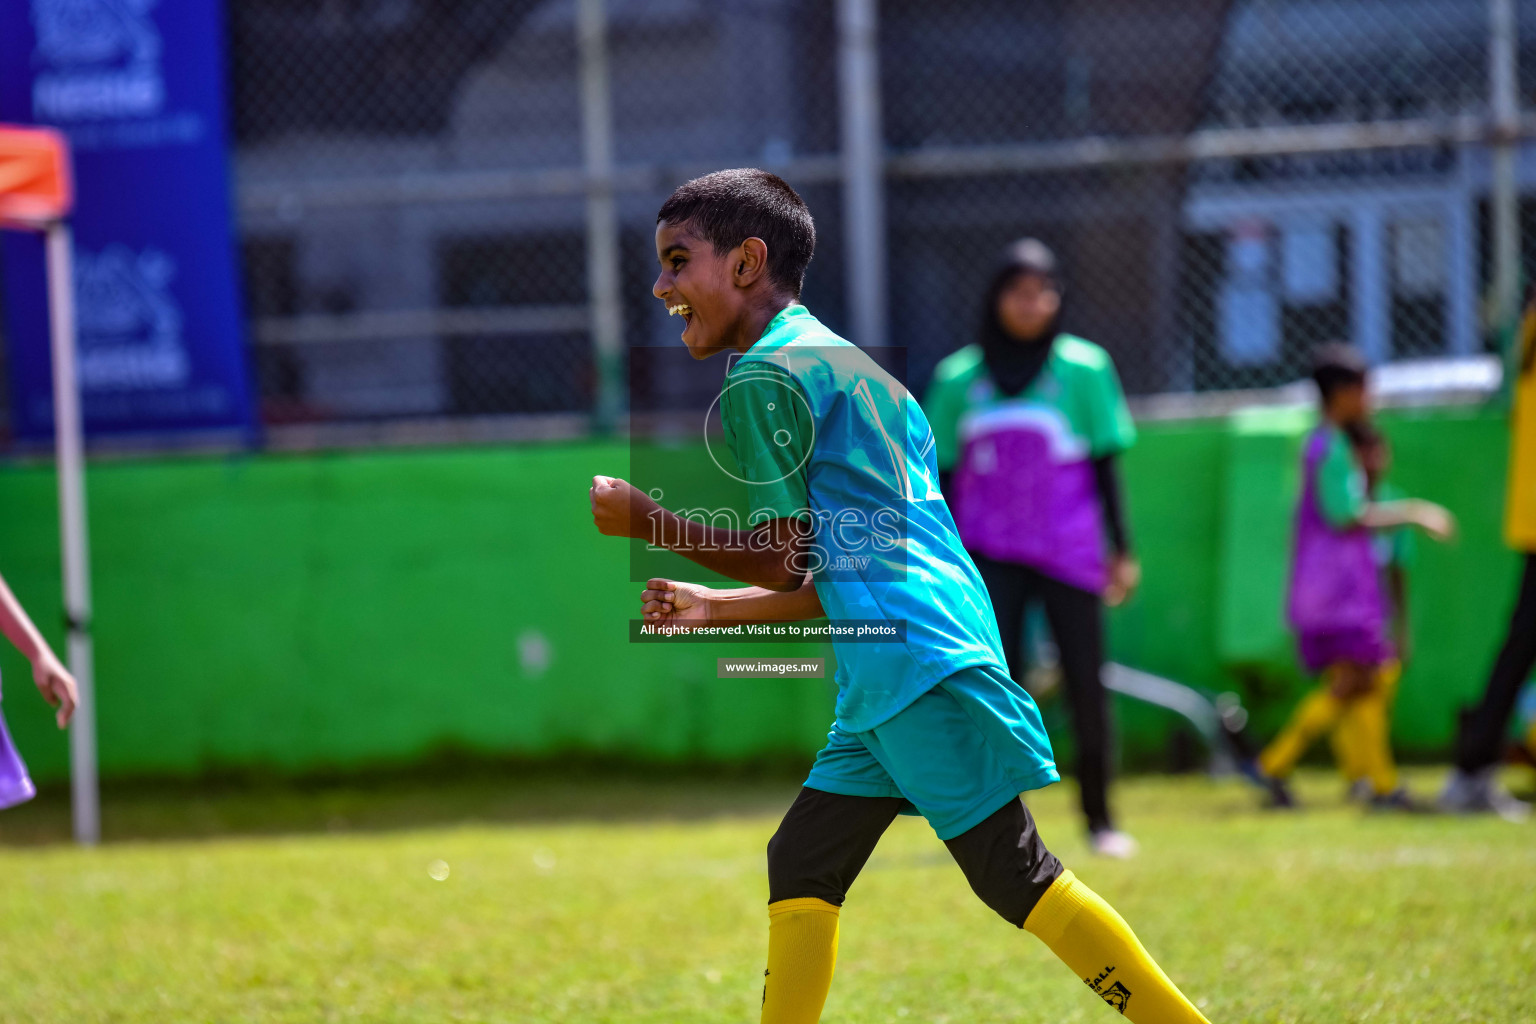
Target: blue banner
{"points": [[138, 87]]}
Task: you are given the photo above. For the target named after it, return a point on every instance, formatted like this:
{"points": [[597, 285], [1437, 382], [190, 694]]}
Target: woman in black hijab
{"points": [[1028, 423]]}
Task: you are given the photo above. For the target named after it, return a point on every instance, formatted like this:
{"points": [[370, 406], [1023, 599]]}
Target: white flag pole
{"points": [[70, 445]]}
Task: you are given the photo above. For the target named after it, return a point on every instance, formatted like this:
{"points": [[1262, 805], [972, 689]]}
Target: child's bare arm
{"points": [[53, 679], [1426, 515], [771, 556], [677, 602]]}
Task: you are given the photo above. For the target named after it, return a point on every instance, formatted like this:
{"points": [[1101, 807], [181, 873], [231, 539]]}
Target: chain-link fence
{"points": [[423, 185], [414, 185], [1212, 173]]}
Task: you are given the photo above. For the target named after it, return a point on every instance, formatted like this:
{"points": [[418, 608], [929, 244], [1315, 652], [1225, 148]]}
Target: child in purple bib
{"points": [[1338, 608]]}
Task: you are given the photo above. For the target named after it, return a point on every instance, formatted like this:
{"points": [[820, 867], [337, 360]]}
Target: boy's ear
{"points": [[751, 262]]}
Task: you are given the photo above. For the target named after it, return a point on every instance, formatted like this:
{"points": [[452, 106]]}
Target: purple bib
{"points": [[1025, 493], [1337, 606]]}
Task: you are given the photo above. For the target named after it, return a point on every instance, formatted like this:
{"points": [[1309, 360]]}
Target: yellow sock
{"points": [[1361, 740], [1365, 719], [1089, 937], [1347, 754], [1387, 679], [1315, 715], [802, 951]]}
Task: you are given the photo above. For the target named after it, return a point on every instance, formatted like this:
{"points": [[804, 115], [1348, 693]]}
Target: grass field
{"points": [[603, 900]]}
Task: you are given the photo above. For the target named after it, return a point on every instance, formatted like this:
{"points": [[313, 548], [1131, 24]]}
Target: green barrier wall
{"points": [[295, 613], [298, 613]]}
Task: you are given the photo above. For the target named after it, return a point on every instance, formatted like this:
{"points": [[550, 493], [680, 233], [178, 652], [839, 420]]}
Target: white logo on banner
{"points": [[129, 322], [101, 59]]}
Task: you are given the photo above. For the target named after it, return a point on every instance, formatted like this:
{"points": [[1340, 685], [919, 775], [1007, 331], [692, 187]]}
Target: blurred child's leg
{"points": [[1366, 720], [1388, 679], [1347, 753], [1362, 739], [1014, 874], [1318, 712], [813, 858], [1365, 729], [1344, 739]]}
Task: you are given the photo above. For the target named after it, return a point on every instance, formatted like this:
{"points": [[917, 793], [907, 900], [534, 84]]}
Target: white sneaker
{"points": [[1108, 842], [1480, 793], [1508, 807], [1460, 794]]}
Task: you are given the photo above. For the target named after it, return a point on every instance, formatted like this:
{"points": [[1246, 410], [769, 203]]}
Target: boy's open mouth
{"points": [[683, 310]]}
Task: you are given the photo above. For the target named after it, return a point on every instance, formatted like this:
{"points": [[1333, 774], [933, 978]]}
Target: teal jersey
{"points": [[821, 433]]}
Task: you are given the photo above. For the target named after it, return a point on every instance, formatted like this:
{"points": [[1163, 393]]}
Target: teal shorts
{"points": [[956, 754]]}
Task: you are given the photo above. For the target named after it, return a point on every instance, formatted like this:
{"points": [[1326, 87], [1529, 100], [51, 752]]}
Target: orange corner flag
{"points": [[34, 176]]}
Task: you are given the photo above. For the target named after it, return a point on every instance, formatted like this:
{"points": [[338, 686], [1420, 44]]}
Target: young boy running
{"points": [[1337, 607], [848, 522], [1361, 740]]}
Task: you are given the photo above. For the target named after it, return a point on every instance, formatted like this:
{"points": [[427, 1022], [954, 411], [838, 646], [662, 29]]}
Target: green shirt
{"points": [[1343, 494], [1341, 490], [1078, 385], [1023, 485]]}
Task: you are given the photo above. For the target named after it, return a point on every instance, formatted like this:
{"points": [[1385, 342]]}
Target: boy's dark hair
{"points": [[1335, 366], [728, 207]]}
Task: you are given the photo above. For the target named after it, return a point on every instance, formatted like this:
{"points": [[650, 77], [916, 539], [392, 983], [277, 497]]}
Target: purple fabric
{"points": [[1337, 606], [1319, 650], [1014, 502], [15, 785]]}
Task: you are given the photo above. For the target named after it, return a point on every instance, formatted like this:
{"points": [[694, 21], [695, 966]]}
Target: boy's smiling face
{"points": [[697, 284]]}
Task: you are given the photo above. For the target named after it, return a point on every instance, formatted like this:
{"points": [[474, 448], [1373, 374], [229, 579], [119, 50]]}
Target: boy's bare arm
{"points": [[771, 556], [53, 679], [1426, 515], [672, 601]]}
